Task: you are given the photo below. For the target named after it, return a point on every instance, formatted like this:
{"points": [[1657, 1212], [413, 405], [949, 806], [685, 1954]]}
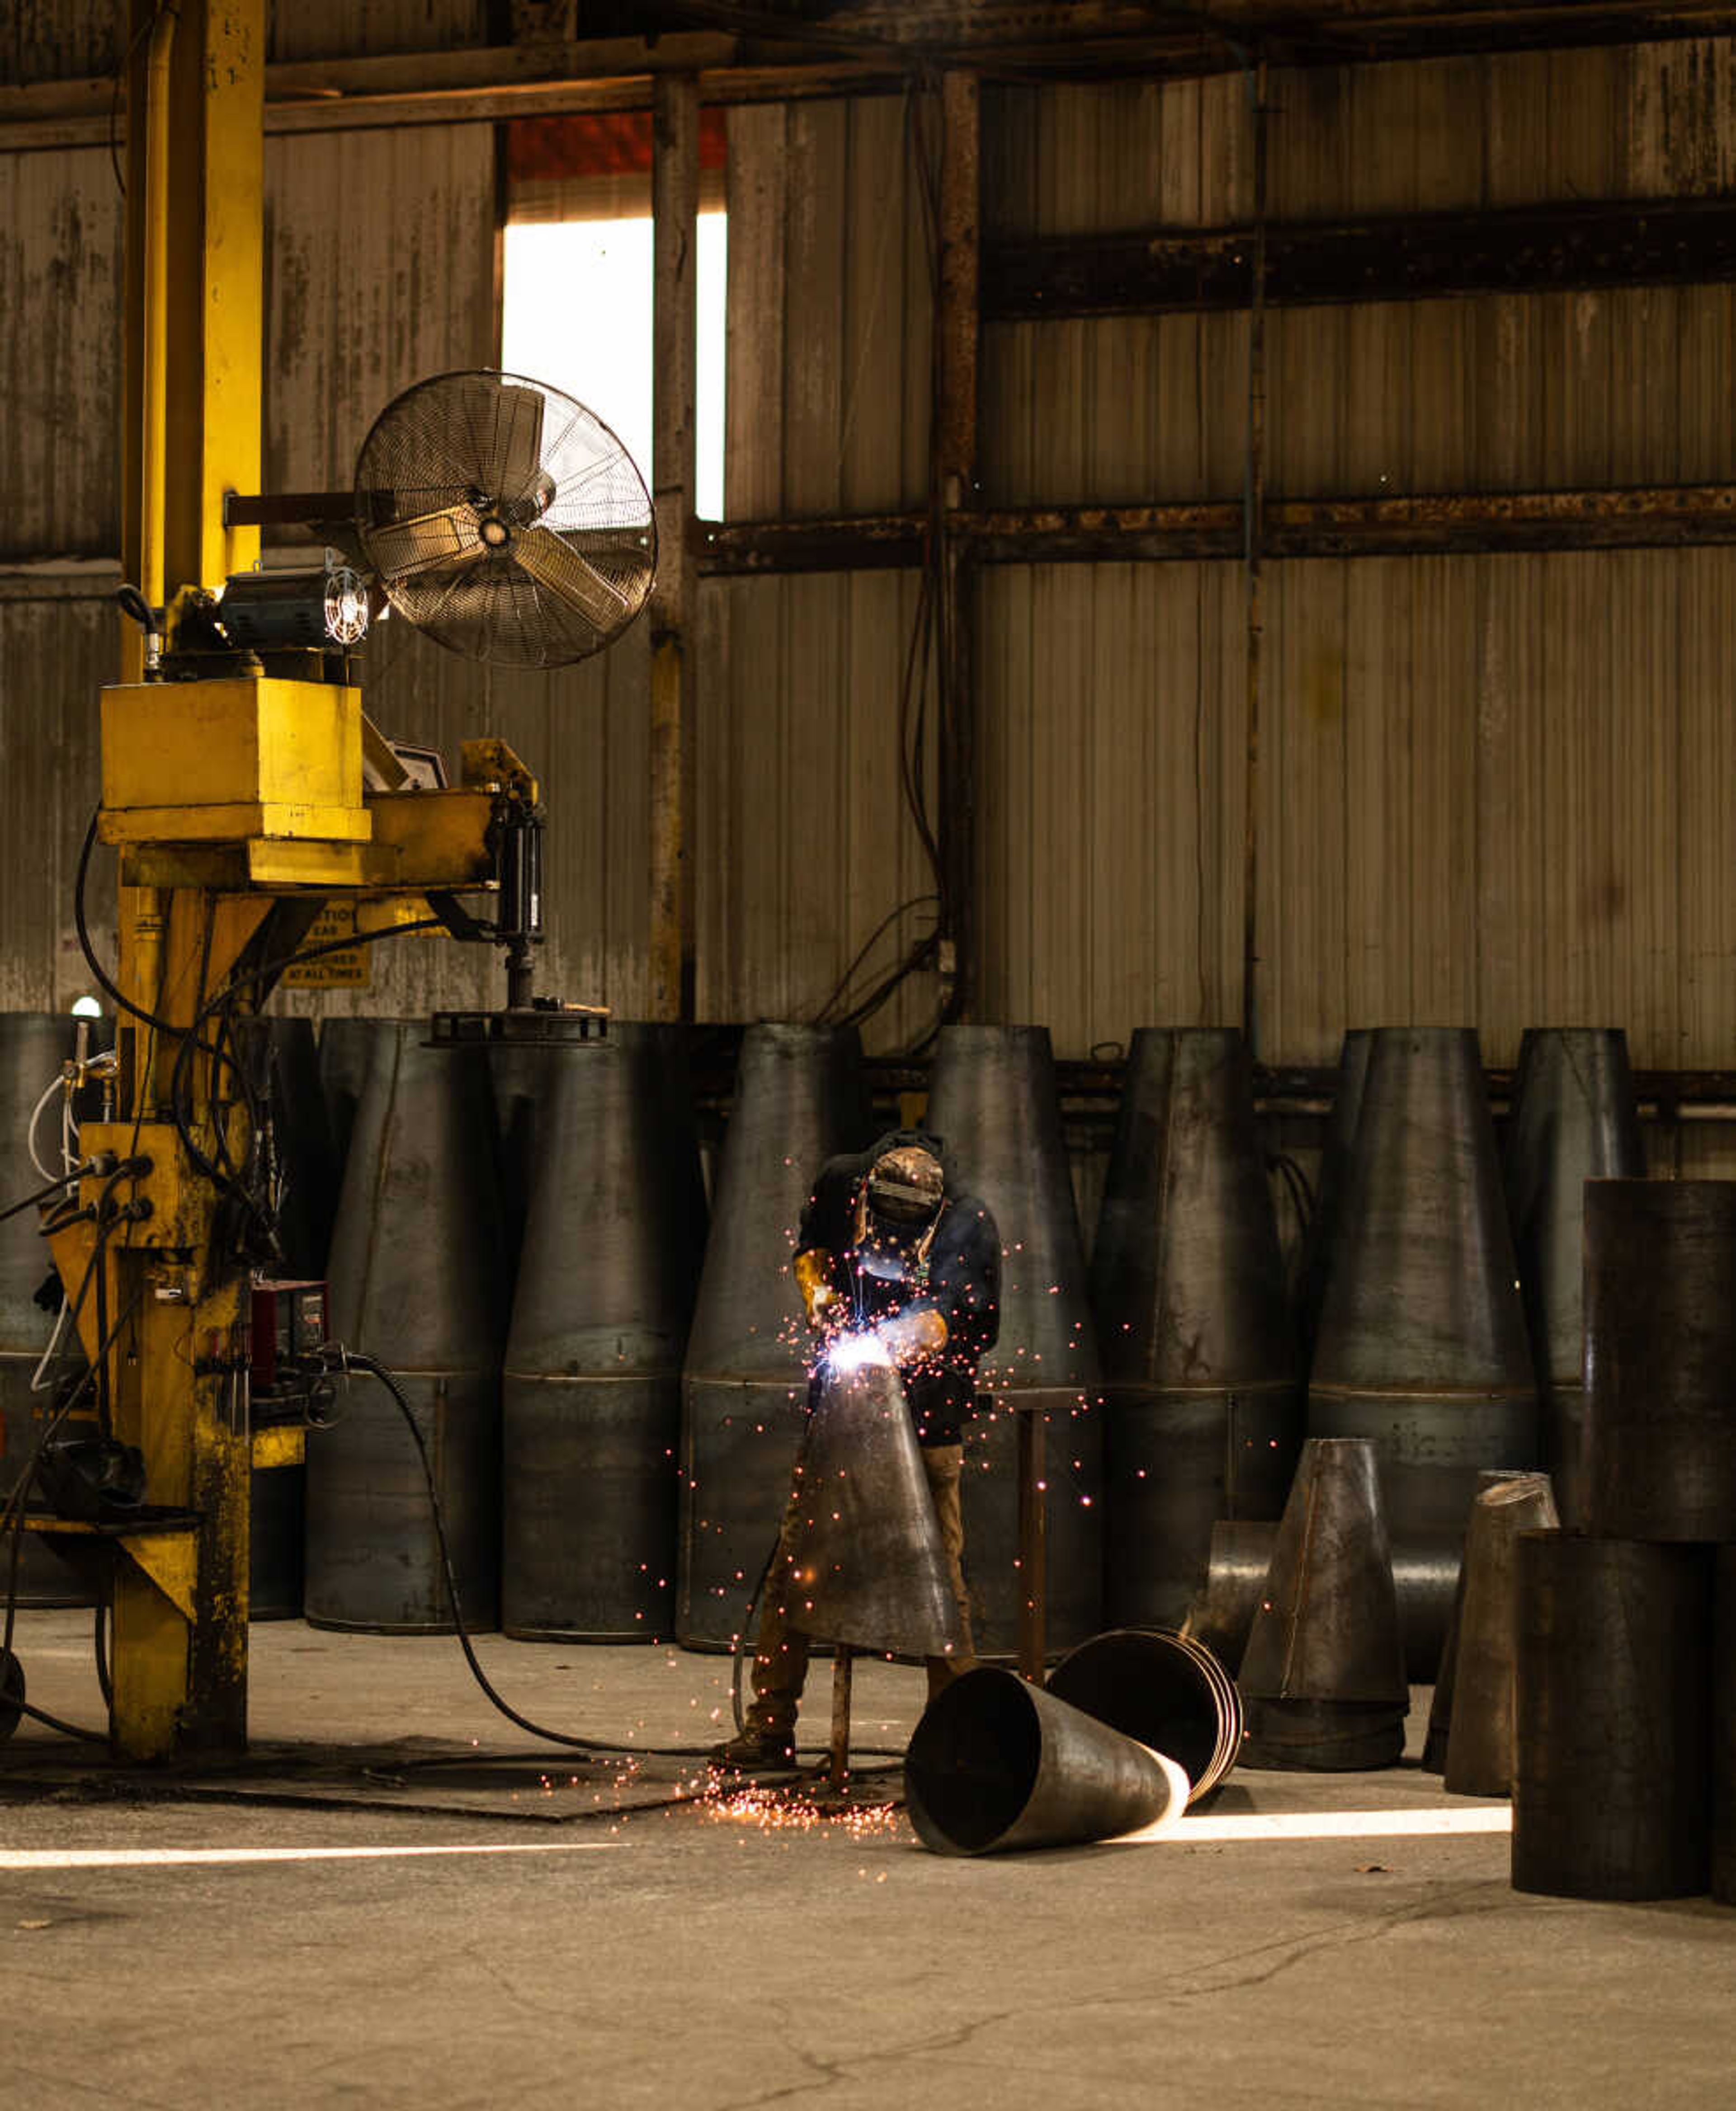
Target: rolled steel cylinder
{"points": [[1573, 1120], [1612, 1725], [1479, 1739], [992, 1101], [1422, 1345], [418, 1280], [1201, 1384], [1660, 1358], [34, 1046], [1322, 1679], [798, 1101], [1426, 1575], [1164, 1691], [1723, 1728], [997, 1764], [1329, 1186], [591, 1401]]}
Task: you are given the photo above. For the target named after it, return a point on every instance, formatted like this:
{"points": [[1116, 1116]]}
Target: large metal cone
{"points": [[592, 1398], [1328, 1188], [34, 1044], [1426, 1575], [1612, 1727], [996, 1764], [867, 1564], [1724, 1729], [1422, 1343], [1323, 1677], [1479, 1741], [1446, 1672], [1165, 1691], [348, 1049], [992, 1099], [418, 1279], [798, 1101], [1202, 1397], [1660, 1358], [1573, 1120]]}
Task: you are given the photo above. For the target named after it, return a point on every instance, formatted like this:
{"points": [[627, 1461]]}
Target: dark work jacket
{"points": [[963, 1285]]}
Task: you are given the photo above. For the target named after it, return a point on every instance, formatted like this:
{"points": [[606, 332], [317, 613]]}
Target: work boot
{"points": [[755, 1751]]}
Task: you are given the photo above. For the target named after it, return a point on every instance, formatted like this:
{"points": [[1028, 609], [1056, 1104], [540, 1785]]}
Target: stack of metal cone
{"points": [[993, 1102], [1202, 1393], [419, 1280], [798, 1101], [1422, 1345], [1479, 1739], [1573, 1120], [1323, 1678], [591, 1405]]}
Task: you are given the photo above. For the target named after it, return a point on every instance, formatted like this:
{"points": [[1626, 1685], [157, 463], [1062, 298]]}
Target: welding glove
{"points": [[912, 1336]]}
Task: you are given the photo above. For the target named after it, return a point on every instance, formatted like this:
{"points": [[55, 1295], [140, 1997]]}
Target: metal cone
{"points": [[867, 1564], [1166, 1691], [1573, 1120], [1202, 1395], [1329, 1187], [1479, 1741], [1723, 1728], [995, 1764], [1440, 1701], [1323, 1678], [1422, 1343], [993, 1100]]}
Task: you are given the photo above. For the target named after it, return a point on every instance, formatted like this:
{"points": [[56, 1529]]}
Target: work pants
{"points": [[781, 1652]]}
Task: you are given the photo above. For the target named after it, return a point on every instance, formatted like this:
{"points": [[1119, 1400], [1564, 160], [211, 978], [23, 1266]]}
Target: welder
{"points": [[887, 1249]]}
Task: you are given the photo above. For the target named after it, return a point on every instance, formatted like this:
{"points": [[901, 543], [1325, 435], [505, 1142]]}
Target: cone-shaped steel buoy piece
{"points": [[34, 1046], [1422, 1343], [1323, 1677], [347, 1048], [1660, 1358], [1440, 1701], [418, 1279], [1425, 1576], [1574, 1119], [1202, 1392], [1164, 1691], [591, 1401], [995, 1764], [1329, 1187], [1479, 1739], [867, 1567], [1724, 1729], [1611, 1726], [798, 1101], [992, 1100]]}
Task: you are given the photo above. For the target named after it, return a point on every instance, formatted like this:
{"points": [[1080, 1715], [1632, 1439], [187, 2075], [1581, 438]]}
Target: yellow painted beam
{"points": [[283, 1444]]}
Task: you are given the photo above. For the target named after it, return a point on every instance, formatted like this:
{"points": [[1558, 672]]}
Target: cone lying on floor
{"points": [[1425, 1575], [1165, 1691], [1422, 1345], [993, 1102], [996, 1764], [1202, 1395], [798, 1102], [1573, 1120], [1479, 1741], [1323, 1679], [867, 1567]]}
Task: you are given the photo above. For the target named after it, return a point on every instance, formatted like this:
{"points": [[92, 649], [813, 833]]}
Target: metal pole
{"points": [[1254, 530], [837, 1769], [958, 329]]}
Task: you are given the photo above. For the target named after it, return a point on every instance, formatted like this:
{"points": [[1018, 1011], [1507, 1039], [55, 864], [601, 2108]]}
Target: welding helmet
{"points": [[900, 1206]]}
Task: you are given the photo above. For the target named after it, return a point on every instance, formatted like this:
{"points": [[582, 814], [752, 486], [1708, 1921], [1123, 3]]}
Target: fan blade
{"points": [[553, 563], [516, 461], [399, 549]]}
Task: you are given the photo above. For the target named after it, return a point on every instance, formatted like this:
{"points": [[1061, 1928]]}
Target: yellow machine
{"points": [[244, 788]]}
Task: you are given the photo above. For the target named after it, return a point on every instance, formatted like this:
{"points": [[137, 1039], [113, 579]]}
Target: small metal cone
{"points": [[1440, 1701], [1479, 1741], [867, 1567]]}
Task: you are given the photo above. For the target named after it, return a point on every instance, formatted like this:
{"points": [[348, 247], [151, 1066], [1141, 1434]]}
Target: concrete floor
{"points": [[684, 1956]]}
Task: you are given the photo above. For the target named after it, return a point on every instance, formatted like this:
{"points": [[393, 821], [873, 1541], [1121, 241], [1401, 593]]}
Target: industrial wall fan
{"points": [[491, 511]]}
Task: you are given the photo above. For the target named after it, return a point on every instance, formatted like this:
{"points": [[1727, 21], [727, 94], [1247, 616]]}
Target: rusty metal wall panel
{"points": [[829, 297], [340, 28], [54, 656], [804, 844], [59, 40], [60, 355]]}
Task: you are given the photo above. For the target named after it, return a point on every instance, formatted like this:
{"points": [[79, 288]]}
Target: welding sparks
{"points": [[857, 1352], [779, 1810]]}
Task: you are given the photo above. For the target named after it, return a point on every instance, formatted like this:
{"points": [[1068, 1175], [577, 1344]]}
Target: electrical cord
{"points": [[45, 1194]]}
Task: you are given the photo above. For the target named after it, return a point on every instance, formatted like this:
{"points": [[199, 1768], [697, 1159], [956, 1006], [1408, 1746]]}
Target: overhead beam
{"points": [[1633, 241], [1445, 523]]}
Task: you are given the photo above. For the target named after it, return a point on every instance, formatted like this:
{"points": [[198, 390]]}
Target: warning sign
{"points": [[350, 969]]}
